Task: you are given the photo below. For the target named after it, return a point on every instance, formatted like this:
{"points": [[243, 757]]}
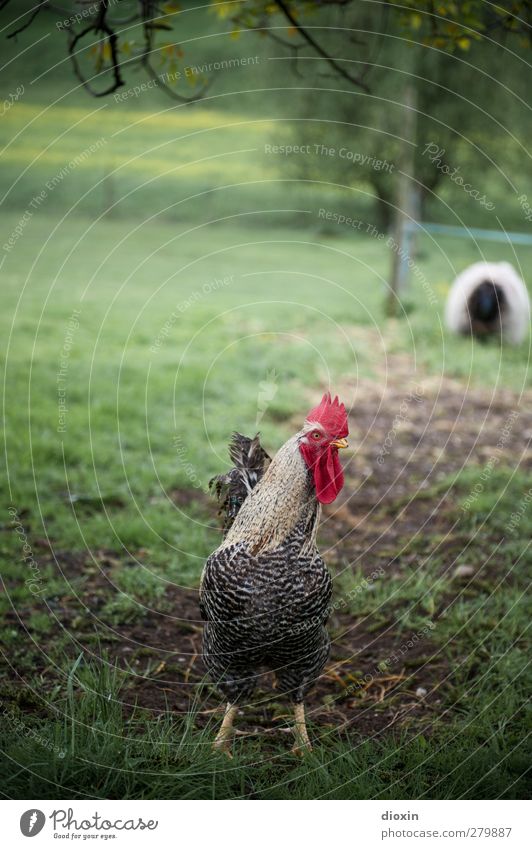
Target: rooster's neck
{"points": [[283, 498]]}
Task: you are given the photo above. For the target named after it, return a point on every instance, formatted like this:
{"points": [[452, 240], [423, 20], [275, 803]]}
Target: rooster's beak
{"points": [[340, 443]]}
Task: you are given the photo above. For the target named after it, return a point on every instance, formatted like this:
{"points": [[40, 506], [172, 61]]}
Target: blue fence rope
{"points": [[472, 233]]}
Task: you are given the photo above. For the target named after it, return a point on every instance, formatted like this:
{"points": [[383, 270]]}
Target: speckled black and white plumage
{"points": [[266, 591]]}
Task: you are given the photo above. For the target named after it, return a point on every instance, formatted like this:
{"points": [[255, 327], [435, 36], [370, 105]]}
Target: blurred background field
{"points": [[199, 271]]}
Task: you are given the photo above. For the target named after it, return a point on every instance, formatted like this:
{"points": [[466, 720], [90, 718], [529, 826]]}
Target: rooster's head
{"points": [[323, 434]]}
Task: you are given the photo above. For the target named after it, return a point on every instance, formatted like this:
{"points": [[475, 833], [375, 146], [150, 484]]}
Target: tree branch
{"points": [[100, 26], [318, 48], [145, 60], [28, 22]]}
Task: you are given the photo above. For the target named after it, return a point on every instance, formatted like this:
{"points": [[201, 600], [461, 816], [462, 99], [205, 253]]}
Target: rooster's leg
{"points": [[302, 743], [222, 742]]}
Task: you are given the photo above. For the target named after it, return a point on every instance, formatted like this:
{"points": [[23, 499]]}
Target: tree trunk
{"points": [[383, 210], [407, 200]]}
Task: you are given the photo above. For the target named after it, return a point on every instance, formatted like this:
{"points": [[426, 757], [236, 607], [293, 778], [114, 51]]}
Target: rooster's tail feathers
{"points": [[232, 488]]}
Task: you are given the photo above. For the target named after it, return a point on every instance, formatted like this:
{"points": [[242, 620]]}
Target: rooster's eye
{"points": [[316, 434]]}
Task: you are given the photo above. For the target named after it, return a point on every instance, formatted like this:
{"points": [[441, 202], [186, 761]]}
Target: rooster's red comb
{"points": [[331, 415]]}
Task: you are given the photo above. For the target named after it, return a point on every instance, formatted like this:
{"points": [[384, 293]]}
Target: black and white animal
{"points": [[489, 299], [265, 591]]}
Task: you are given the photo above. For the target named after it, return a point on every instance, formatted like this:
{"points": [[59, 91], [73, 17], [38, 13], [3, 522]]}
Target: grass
{"points": [[108, 489], [85, 746], [175, 287], [106, 479]]}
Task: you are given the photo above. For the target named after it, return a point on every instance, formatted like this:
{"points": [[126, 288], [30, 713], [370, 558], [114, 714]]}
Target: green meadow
{"points": [[162, 268]]}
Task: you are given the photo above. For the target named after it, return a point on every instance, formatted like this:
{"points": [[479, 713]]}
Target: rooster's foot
{"points": [[224, 737], [223, 747], [301, 749], [302, 745]]}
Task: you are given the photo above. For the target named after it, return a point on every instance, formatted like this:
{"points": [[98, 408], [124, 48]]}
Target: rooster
{"points": [[489, 298], [265, 591]]}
